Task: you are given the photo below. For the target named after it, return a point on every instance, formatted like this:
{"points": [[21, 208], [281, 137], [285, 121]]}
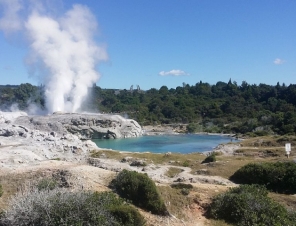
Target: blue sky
{"points": [[168, 42]]}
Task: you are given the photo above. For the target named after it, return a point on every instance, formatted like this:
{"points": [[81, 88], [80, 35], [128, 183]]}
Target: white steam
{"points": [[65, 53], [10, 21]]}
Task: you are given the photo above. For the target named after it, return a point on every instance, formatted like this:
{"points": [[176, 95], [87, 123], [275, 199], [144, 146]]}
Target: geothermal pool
{"points": [[185, 143]]}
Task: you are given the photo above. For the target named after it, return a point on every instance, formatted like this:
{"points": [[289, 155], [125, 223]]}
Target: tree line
{"points": [[223, 107]]}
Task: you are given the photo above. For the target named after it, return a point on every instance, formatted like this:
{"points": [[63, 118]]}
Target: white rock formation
{"points": [[10, 116], [27, 140], [85, 126]]}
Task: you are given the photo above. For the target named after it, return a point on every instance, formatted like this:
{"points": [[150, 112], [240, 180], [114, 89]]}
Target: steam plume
{"points": [[66, 54], [10, 20]]}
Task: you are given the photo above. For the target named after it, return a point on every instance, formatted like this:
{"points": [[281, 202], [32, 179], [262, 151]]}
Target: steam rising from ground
{"points": [[63, 50]]}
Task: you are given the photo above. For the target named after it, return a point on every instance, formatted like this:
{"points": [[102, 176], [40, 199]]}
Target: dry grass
{"points": [[175, 201], [173, 172], [289, 201], [173, 159], [12, 183], [227, 165]]}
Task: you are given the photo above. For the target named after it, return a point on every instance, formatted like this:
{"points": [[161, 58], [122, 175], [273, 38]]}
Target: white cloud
{"points": [[173, 73], [278, 61]]}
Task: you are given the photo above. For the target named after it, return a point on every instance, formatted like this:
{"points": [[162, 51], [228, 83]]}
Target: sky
{"points": [[153, 43]]}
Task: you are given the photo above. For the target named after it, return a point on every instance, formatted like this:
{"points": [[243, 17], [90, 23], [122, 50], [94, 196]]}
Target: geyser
{"points": [[63, 50]]}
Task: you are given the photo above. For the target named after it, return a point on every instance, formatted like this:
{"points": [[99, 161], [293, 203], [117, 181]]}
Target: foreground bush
{"points": [[62, 207], [140, 189], [249, 205], [279, 176]]}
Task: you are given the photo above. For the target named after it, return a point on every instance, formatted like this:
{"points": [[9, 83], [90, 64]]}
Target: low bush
{"points": [[127, 215], [1, 190], [210, 158], [185, 188], [185, 191], [186, 163], [141, 190], [249, 205], [62, 207], [279, 176], [47, 183], [181, 186]]}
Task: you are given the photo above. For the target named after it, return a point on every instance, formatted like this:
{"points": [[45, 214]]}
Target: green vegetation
{"points": [[47, 183], [185, 188], [1, 190], [210, 158], [186, 163], [249, 205], [127, 215], [23, 95], [278, 176], [141, 190], [62, 207], [255, 110], [182, 186]]}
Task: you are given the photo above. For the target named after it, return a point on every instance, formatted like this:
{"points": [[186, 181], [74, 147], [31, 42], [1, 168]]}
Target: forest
{"points": [[224, 107]]}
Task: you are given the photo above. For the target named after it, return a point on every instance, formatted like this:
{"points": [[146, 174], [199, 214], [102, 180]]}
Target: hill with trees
{"points": [[224, 107]]}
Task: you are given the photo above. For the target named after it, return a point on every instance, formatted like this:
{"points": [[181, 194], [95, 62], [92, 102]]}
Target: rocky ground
{"points": [[25, 149]]}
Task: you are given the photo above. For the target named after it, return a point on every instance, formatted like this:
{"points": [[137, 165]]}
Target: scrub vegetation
{"points": [[250, 205], [64, 207], [141, 190], [275, 176]]}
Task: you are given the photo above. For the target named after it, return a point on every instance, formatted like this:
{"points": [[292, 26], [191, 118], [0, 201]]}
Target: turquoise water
{"points": [[185, 143]]}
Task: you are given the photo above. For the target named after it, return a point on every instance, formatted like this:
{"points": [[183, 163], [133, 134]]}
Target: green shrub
{"points": [[140, 189], [62, 207], [47, 183], [185, 188], [249, 205], [279, 176], [1, 190], [127, 215], [192, 127], [210, 158], [185, 191], [186, 163], [181, 186]]}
